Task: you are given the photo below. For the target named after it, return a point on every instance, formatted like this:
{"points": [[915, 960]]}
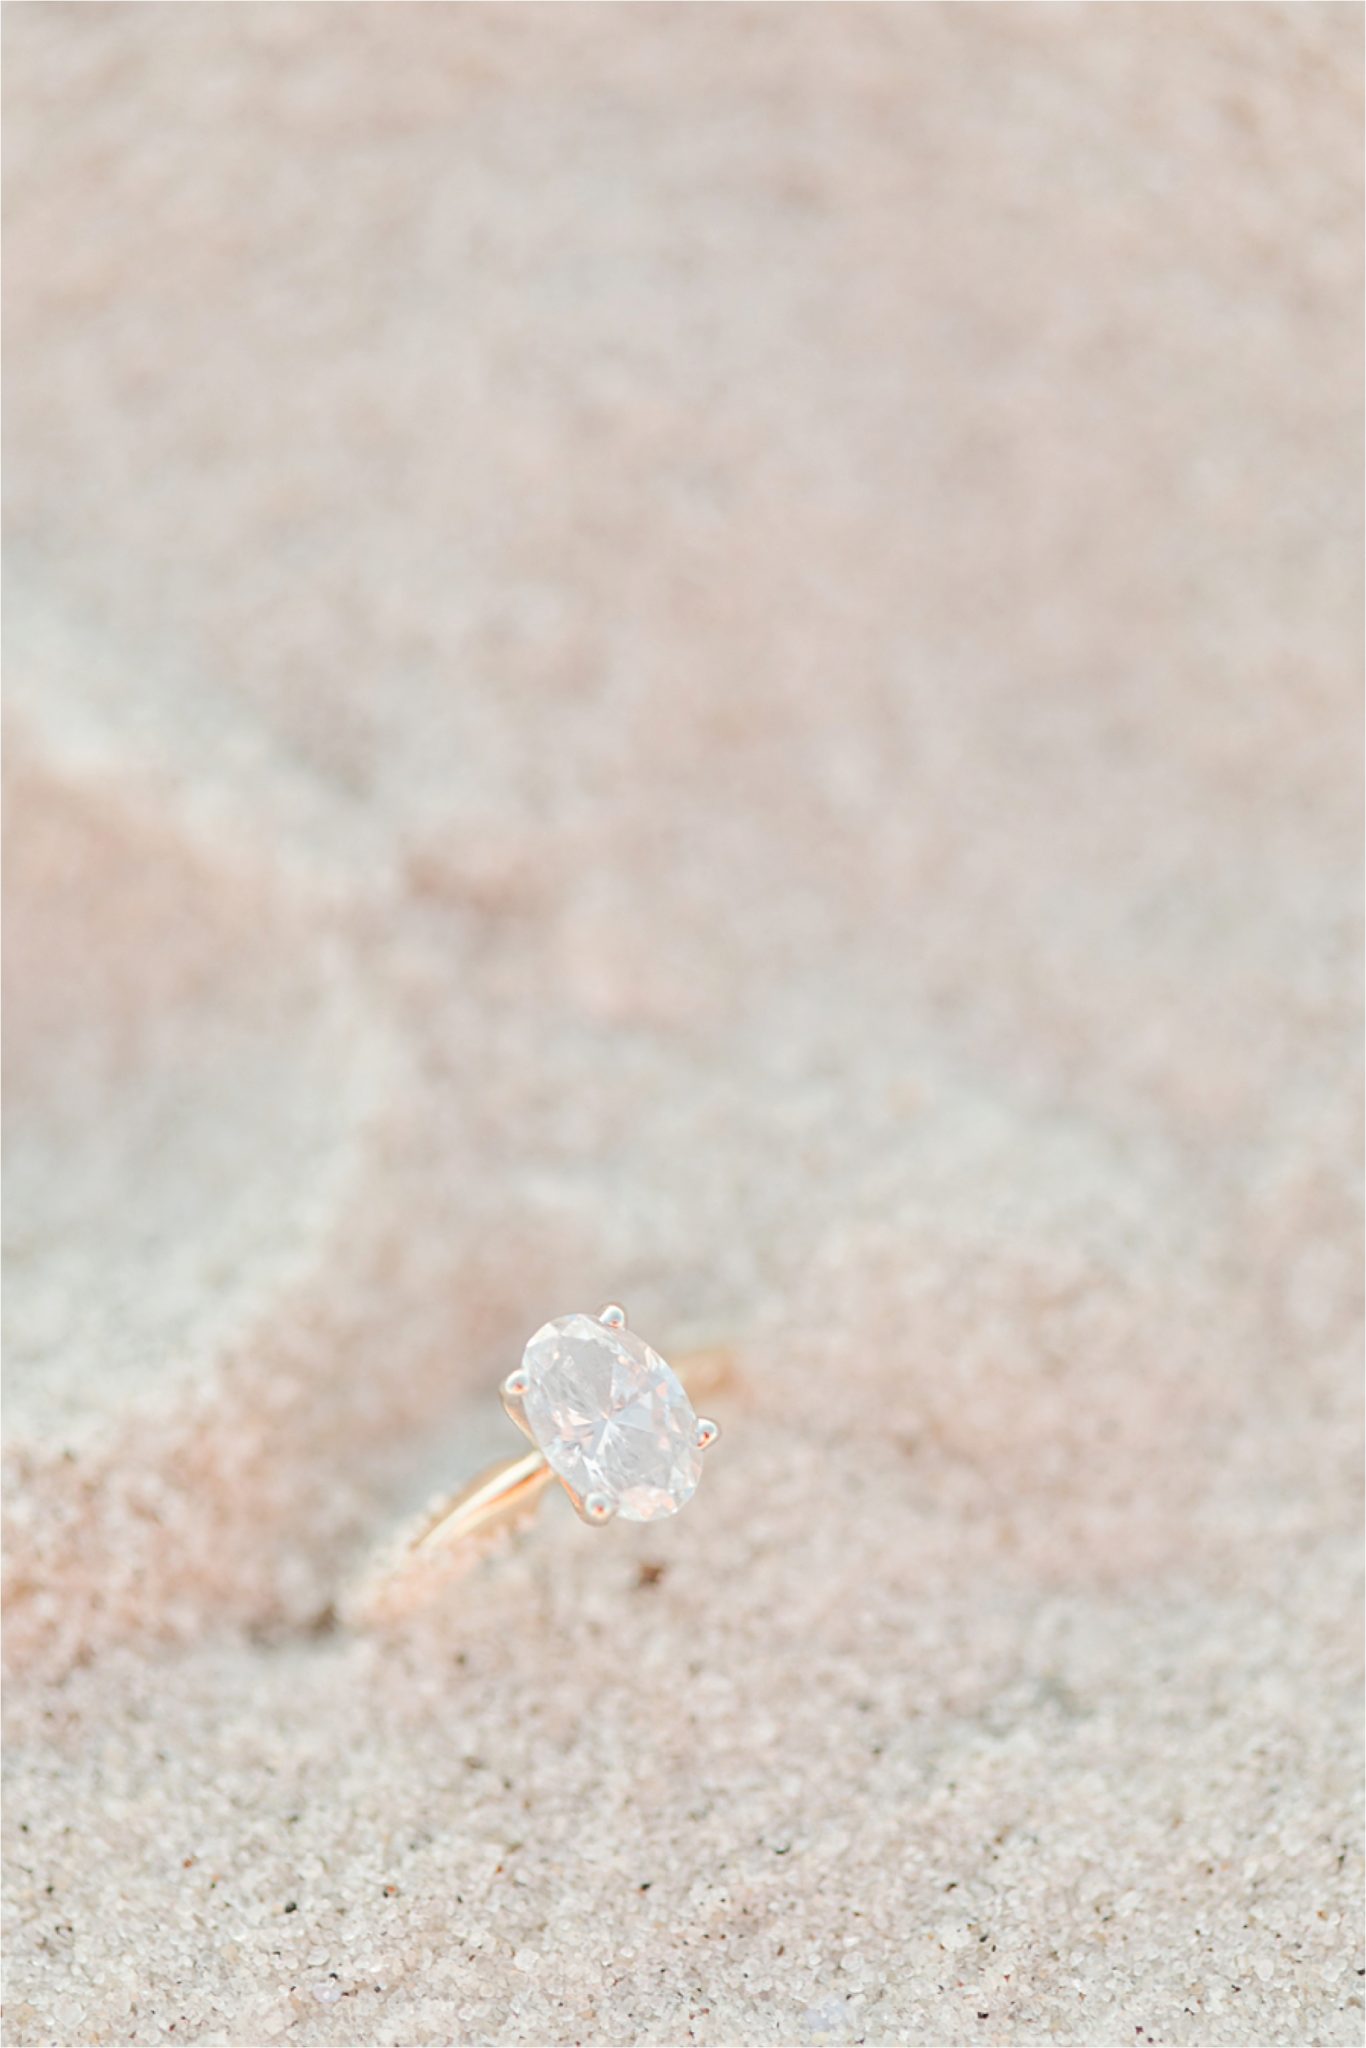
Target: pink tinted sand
{"points": [[709, 656]]}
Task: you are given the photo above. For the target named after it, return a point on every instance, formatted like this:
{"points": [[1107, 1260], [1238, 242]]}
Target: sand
{"points": [[708, 657]]}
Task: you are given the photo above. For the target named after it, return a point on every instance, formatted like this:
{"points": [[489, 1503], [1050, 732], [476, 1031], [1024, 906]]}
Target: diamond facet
{"points": [[611, 1417]]}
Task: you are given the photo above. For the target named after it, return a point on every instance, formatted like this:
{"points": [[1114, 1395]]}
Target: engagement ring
{"points": [[606, 1416]]}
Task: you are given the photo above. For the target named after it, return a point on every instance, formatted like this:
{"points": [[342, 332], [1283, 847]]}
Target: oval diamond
{"points": [[611, 1417]]}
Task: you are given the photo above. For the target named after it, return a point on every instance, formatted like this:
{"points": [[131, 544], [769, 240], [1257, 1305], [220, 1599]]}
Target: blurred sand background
{"points": [[709, 656]]}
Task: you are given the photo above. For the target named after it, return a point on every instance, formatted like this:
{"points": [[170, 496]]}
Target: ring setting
{"points": [[610, 1418]]}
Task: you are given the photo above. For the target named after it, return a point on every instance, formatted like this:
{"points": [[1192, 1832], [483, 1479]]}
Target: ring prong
{"points": [[706, 1433], [597, 1508], [513, 1391], [613, 1317]]}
